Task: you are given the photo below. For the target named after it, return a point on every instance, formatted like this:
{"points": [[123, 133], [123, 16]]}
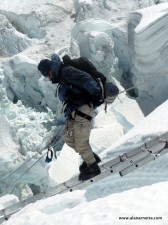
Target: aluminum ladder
{"points": [[122, 164]]}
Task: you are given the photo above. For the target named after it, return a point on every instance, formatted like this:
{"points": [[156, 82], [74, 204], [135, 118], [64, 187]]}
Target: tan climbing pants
{"points": [[77, 133]]}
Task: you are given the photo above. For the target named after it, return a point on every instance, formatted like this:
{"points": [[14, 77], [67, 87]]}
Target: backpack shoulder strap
{"points": [[60, 72]]}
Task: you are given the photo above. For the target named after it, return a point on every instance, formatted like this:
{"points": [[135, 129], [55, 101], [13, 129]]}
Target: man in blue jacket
{"points": [[80, 94]]}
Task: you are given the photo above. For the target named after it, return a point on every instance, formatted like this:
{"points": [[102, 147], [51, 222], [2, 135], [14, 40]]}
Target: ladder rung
{"points": [[139, 164], [132, 160]]}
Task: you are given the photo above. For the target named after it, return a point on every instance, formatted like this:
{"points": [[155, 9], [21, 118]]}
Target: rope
{"points": [[13, 183], [57, 142], [30, 158], [144, 82], [50, 144]]}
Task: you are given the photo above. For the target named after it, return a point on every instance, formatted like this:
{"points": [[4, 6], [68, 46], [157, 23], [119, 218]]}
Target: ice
{"points": [[148, 35], [128, 43]]}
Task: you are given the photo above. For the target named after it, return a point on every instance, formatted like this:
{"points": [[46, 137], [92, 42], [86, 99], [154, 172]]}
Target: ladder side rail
{"points": [[108, 168], [87, 183], [61, 188], [163, 152], [155, 150], [56, 190], [164, 136], [2, 219], [112, 162], [135, 150], [105, 172], [114, 165], [136, 165], [16, 207], [159, 139], [156, 147], [116, 162], [145, 152], [53, 191], [138, 156], [79, 184], [143, 162]]}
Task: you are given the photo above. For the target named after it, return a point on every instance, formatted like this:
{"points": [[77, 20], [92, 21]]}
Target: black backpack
{"points": [[109, 91], [82, 63]]}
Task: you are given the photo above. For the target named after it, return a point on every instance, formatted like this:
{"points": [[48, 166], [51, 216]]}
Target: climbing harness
{"points": [[54, 142]]}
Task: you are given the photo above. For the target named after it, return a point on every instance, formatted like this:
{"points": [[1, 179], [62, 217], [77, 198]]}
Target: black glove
{"points": [[96, 100]]}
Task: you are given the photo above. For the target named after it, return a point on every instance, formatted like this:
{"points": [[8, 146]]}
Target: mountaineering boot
{"points": [[83, 166], [91, 171]]}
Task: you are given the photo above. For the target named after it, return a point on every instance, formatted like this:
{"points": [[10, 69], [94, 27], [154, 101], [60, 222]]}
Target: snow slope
{"points": [[136, 206]]}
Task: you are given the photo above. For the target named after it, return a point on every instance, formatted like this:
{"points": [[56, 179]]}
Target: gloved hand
{"points": [[96, 100]]}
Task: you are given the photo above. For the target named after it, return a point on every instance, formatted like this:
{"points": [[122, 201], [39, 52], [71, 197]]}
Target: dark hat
{"points": [[44, 67]]}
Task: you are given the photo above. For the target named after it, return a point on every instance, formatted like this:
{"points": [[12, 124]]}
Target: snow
{"points": [[127, 41], [12, 42], [149, 57]]}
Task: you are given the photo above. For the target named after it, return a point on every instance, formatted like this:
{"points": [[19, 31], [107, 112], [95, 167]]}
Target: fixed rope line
{"points": [[13, 183], [22, 165], [25, 162], [1, 180], [19, 167], [50, 144], [144, 82], [26, 171]]}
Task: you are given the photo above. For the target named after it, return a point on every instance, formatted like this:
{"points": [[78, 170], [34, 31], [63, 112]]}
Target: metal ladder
{"points": [[122, 164]]}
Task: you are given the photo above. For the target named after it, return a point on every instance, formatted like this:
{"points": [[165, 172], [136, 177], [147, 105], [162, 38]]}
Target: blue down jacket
{"points": [[74, 84]]}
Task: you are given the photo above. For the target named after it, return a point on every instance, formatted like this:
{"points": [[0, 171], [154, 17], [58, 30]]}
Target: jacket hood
{"points": [[55, 65]]}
